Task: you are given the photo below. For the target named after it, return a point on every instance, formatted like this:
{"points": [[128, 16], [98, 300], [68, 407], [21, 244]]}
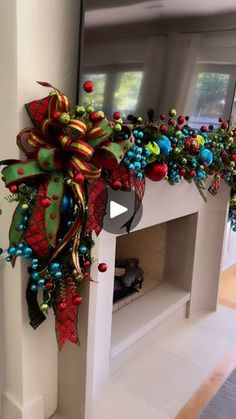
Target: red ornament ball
{"points": [[116, 115], [49, 285], [116, 185], [86, 264], [79, 178], [77, 300], [181, 120], [164, 129], [172, 122], [203, 128], [156, 171], [192, 174], [45, 202], [13, 188], [94, 116], [61, 306], [56, 115], [182, 171], [102, 267], [162, 117], [224, 125], [88, 86], [233, 157]]}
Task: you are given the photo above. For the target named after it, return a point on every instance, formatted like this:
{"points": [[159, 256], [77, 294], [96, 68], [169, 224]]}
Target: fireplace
{"points": [[187, 239]]}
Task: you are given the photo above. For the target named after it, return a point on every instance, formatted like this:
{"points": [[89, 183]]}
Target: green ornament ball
{"points": [[117, 128], [64, 118], [90, 109], [80, 110]]}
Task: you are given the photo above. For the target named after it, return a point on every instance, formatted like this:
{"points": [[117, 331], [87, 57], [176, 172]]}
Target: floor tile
{"points": [[222, 321], [119, 402], [198, 345], [163, 380]]}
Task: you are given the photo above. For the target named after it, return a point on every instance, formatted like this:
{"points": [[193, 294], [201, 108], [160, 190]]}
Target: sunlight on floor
{"points": [[228, 287]]}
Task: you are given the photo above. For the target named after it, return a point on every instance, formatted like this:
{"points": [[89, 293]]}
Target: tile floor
{"points": [[159, 381]]}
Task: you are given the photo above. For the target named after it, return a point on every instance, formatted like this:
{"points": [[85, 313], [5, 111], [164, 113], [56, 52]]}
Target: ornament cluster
{"points": [[61, 188]]}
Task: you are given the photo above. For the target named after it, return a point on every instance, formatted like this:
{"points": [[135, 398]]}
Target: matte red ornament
{"points": [[77, 300], [45, 202], [181, 120], [79, 178], [116, 185], [61, 306], [88, 86], [203, 128], [163, 129], [162, 117], [116, 115], [102, 267], [13, 188], [156, 171]]}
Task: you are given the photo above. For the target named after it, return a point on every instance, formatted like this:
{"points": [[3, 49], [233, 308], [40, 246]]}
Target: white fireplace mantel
{"points": [[161, 203]]}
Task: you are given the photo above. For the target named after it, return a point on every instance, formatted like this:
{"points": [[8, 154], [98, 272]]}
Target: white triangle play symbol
{"points": [[116, 209]]}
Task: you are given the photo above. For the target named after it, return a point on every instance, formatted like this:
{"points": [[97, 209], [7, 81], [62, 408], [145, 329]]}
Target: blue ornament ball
{"points": [[34, 287], [206, 156], [83, 250], [164, 145]]}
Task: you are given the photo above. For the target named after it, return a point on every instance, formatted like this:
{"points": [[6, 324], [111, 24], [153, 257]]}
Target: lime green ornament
{"points": [[200, 140], [154, 150], [101, 114], [177, 150]]}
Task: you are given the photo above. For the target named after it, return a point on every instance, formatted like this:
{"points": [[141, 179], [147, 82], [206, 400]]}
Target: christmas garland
{"points": [[61, 188]]}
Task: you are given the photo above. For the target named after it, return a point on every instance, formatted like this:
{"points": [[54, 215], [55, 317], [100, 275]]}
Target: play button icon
{"points": [[116, 209], [122, 212]]}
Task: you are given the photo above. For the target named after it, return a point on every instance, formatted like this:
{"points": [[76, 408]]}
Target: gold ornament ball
{"points": [[177, 150], [44, 307], [24, 207], [184, 161], [172, 112]]}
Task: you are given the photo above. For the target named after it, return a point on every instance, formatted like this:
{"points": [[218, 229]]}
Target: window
{"points": [[98, 95], [211, 94], [115, 90]]}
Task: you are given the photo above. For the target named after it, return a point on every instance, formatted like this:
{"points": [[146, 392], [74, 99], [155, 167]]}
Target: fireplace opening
{"points": [[163, 256], [128, 278]]}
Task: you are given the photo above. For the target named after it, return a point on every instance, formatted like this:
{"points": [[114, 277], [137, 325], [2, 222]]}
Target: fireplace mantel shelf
{"points": [[144, 314]]}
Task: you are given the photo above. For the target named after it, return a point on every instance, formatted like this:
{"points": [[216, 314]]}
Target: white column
{"points": [[38, 41]]}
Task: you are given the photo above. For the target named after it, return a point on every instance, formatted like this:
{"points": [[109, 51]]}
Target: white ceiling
{"points": [[107, 12]]}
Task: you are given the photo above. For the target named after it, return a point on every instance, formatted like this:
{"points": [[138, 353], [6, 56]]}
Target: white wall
{"points": [[38, 42]]}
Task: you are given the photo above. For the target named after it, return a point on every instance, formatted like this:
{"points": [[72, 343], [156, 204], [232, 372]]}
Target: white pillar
{"points": [[38, 41]]}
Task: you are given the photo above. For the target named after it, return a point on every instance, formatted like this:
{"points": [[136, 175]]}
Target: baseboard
{"points": [[13, 410]]}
